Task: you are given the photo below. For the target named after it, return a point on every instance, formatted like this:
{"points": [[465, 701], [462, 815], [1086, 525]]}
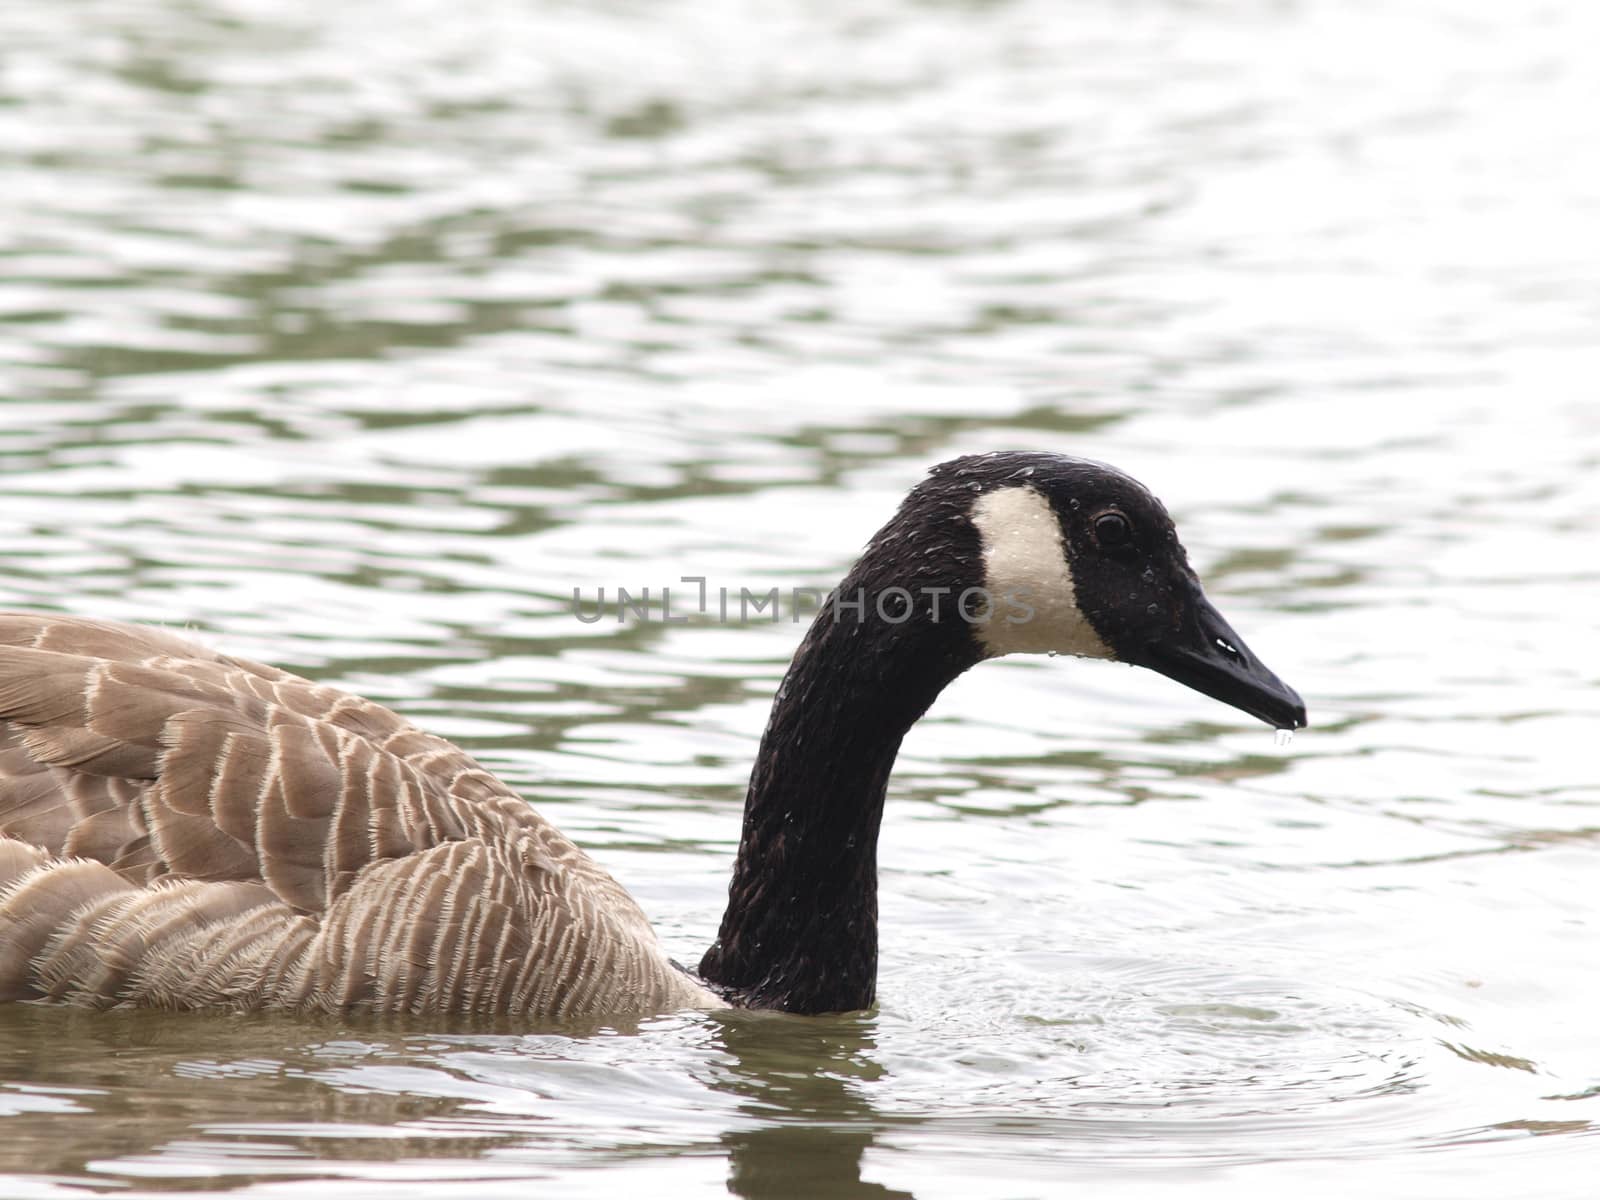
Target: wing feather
{"points": [[185, 828]]}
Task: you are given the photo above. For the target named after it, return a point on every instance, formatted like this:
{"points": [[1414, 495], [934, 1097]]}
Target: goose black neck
{"points": [[801, 929]]}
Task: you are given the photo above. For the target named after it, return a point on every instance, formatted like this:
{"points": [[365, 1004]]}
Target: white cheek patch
{"points": [[1025, 568]]}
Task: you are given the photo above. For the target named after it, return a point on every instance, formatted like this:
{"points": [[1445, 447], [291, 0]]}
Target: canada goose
{"points": [[184, 829]]}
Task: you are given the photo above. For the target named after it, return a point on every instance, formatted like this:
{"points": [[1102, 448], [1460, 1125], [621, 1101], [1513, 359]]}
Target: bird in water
{"points": [[184, 829]]}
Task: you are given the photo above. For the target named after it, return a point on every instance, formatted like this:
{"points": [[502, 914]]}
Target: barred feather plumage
{"points": [[185, 829]]}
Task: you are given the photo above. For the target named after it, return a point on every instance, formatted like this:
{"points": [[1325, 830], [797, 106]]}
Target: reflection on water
{"points": [[356, 337], [809, 1117], [158, 1097]]}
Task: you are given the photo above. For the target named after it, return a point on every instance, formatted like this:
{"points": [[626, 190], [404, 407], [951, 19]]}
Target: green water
{"points": [[355, 337]]}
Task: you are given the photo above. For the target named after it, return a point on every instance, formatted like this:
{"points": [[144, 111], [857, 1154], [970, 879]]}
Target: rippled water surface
{"points": [[355, 336]]}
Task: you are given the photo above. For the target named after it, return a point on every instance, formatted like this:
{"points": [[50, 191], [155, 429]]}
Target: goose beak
{"points": [[1204, 653]]}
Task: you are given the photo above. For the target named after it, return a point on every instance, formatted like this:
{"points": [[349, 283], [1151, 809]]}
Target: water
{"points": [[355, 337]]}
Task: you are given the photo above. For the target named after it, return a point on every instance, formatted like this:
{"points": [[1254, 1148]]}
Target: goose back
{"points": [[189, 829]]}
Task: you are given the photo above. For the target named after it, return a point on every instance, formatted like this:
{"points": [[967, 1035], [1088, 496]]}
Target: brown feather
{"points": [[185, 829]]}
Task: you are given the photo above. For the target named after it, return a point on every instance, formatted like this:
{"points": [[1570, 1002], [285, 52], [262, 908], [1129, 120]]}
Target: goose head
{"points": [[1006, 553], [1075, 557]]}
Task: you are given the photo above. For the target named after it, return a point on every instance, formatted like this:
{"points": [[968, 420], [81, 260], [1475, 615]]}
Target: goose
{"points": [[184, 829]]}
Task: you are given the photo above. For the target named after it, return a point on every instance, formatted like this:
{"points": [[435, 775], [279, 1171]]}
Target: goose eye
{"points": [[1112, 529]]}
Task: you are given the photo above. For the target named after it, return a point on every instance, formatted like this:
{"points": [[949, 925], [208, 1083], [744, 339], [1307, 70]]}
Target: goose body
{"points": [[184, 829]]}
